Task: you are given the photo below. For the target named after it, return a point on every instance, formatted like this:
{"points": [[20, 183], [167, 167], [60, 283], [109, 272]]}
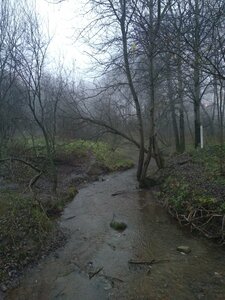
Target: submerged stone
{"points": [[119, 226], [184, 249]]}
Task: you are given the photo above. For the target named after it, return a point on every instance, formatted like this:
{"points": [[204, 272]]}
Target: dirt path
{"points": [[96, 248]]}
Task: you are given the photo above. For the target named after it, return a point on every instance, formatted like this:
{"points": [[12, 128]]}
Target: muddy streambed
{"points": [[94, 262]]}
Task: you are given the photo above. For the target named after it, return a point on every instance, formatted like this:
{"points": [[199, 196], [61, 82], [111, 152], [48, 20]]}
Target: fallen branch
{"points": [[91, 275], [148, 263], [112, 279], [202, 220], [34, 180], [69, 218], [118, 193], [22, 161], [184, 162]]}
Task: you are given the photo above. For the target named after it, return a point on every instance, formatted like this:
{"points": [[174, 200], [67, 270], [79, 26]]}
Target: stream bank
{"points": [[29, 213], [94, 247]]}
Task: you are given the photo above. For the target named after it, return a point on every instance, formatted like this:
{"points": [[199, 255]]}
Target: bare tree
{"points": [[31, 68]]}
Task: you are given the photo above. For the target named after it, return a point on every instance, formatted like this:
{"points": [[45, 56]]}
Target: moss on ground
{"points": [[119, 226]]}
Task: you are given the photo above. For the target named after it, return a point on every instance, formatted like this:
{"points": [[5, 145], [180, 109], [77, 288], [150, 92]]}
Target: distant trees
{"points": [[162, 75], [170, 54], [9, 40], [135, 39], [29, 94]]}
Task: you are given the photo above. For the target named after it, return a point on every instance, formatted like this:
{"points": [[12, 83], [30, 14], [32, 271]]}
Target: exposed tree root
{"points": [[209, 223]]}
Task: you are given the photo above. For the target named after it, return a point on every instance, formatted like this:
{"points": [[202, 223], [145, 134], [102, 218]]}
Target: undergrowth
{"points": [[194, 190], [104, 155], [212, 157], [24, 230], [110, 159]]}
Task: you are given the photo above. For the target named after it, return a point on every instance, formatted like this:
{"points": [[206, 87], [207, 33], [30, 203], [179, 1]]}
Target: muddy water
{"points": [[93, 246]]}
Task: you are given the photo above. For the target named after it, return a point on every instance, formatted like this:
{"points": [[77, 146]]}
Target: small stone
{"points": [[107, 287], [119, 226], [218, 275], [3, 288], [184, 249]]}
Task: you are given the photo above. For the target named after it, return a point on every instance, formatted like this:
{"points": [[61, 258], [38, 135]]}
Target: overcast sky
{"points": [[64, 21]]}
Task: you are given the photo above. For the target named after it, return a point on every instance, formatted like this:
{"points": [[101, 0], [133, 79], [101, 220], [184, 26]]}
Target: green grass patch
{"points": [[107, 157], [104, 155], [24, 229], [212, 158], [183, 197]]}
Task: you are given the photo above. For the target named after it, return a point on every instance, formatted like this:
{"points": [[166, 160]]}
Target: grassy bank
{"points": [[100, 152], [28, 217], [194, 191]]}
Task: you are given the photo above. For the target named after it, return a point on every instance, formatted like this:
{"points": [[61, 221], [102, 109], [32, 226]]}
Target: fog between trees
{"points": [[159, 76]]}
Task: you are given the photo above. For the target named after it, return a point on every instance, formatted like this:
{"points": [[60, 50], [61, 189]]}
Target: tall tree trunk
{"points": [[50, 156], [197, 87], [152, 145], [171, 96], [133, 91], [197, 102], [181, 104]]}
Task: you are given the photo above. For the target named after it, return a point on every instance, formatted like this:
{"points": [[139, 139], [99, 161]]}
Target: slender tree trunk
{"points": [[172, 106], [197, 86], [221, 126], [197, 124], [133, 91], [197, 103], [152, 146], [181, 105], [50, 156]]}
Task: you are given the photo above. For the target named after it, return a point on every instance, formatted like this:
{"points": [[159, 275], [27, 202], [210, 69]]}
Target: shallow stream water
{"points": [[94, 247]]}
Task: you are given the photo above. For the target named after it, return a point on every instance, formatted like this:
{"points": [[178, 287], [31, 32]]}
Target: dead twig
{"points": [[118, 193], [22, 161], [69, 218], [148, 263], [34, 180], [112, 279], [91, 275]]}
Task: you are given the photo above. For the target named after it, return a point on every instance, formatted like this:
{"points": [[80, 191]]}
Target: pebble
{"points": [[184, 249], [3, 288]]}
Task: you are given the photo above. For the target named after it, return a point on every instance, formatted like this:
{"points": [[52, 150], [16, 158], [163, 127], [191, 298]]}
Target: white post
{"points": [[201, 136]]}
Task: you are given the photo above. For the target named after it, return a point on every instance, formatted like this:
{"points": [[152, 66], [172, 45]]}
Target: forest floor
{"points": [[29, 218], [193, 191]]}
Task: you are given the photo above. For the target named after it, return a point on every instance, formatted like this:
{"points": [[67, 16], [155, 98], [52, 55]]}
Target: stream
{"points": [[94, 262]]}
